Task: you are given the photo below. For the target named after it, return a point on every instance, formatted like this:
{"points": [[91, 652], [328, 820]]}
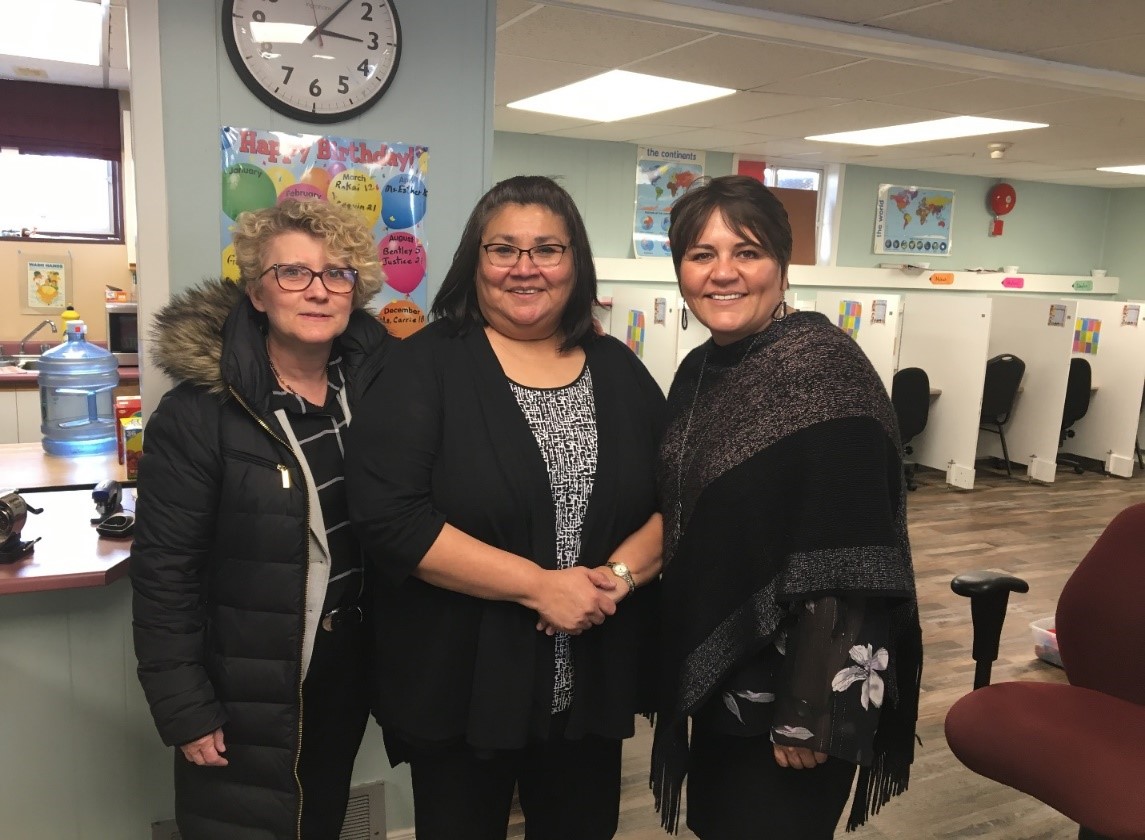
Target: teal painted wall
{"points": [[1125, 253], [1052, 229], [600, 176]]}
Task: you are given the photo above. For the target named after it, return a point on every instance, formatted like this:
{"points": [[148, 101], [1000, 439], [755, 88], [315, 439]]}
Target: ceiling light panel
{"points": [[922, 132], [619, 95]]}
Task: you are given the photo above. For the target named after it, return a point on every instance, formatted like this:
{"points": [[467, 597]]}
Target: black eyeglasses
{"points": [[297, 278], [504, 255]]}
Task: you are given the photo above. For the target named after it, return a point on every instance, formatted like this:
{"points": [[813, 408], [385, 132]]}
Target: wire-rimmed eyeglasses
{"points": [[504, 255], [297, 278]]}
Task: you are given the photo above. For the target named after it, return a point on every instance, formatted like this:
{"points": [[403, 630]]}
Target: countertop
{"points": [[26, 466], [15, 376], [70, 554]]}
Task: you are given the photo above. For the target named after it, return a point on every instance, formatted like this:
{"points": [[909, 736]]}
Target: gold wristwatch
{"points": [[621, 571]]}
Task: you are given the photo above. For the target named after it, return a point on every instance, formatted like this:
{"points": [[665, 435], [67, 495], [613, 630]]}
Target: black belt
{"points": [[342, 617]]}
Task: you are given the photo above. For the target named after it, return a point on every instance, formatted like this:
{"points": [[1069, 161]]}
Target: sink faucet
{"points": [[47, 322]]}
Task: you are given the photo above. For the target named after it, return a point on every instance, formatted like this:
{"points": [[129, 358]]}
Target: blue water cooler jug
{"points": [[76, 401]]}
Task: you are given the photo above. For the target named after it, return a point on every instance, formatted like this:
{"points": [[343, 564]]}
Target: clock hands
{"points": [[318, 30], [330, 34]]}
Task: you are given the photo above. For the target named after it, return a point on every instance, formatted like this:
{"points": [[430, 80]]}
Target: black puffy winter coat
{"points": [[219, 563]]}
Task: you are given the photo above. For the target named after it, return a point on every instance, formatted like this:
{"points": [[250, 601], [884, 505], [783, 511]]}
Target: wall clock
{"points": [[320, 61]]}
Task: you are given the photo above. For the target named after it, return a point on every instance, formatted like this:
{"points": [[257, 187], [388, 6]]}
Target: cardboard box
{"points": [[114, 296], [132, 444], [125, 407]]}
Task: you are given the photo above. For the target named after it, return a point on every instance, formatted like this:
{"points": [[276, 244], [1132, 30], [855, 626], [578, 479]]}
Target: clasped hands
{"points": [[573, 600]]}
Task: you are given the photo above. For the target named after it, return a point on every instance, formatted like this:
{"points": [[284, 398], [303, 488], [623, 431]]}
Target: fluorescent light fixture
{"points": [[280, 33], [619, 95], [922, 132], [53, 30], [1136, 169]]}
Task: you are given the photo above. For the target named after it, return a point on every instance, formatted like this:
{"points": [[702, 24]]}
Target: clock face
{"points": [[321, 61]]}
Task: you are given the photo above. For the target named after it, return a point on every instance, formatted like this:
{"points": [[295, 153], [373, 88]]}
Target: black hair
{"points": [[746, 205], [456, 300]]}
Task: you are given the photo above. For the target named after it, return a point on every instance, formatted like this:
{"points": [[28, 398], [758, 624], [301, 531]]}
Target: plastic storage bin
{"points": [[1046, 641], [76, 407]]}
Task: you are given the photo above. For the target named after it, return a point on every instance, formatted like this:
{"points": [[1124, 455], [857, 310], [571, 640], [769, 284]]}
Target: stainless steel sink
{"points": [[29, 363]]}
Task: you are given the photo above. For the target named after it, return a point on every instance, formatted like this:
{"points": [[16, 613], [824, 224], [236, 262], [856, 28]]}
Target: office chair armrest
{"points": [[988, 593]]}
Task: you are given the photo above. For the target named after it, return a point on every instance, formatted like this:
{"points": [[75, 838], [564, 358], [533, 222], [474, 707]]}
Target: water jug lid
{"points": [[76, 327]]}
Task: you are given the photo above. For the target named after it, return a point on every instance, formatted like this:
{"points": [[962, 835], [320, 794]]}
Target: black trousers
{"points": [[335, 707], [568, 790], [736, 791]]}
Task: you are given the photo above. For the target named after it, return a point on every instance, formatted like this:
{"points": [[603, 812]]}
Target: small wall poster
{"points": [[1057, 315], [44, 284], [913, 220], [1130, 314], [1086, 335], [850, 317], [662, 176], [634, 334], [387, 183]]}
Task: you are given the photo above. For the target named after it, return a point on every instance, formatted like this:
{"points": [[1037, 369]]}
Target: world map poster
{"points": [[913, 220], [662, 176]]}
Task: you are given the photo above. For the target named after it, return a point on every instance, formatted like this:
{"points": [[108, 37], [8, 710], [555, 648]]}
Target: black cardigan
{"points": [[441, 438]]}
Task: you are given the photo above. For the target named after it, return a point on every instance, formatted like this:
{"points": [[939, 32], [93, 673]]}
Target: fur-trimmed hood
{"points": [[210, 335], [187, 333]]}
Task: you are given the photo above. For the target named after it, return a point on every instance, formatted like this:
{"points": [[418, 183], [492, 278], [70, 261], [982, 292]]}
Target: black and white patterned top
{"points": [[563, 420], [321, 431]]}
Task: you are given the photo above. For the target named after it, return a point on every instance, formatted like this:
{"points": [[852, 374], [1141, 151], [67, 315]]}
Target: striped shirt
{"points": [[321, 433]]}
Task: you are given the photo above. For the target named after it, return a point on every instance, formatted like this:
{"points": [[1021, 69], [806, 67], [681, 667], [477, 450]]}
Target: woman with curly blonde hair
{"points": [[248, 584]]}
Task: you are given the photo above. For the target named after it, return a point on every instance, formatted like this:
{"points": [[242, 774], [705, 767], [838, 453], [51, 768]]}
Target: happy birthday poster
{"points": [[385, 182]]}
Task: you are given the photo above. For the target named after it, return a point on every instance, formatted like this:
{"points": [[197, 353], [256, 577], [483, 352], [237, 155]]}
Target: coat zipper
{"points": [[305, 588], [265, 462]]}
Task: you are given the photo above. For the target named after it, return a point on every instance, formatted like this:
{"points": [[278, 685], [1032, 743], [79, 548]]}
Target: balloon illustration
{"points": [[246, 187], [280, 176], [230, 265], [318, 177], [403, 201], [356, 190], [402, 318], [302, 192], [403, 260]]}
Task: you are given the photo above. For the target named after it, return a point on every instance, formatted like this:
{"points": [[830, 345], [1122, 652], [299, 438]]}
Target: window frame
{"points": [[116, 205]]}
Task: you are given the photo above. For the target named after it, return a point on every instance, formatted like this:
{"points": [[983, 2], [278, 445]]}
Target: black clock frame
{"points": [[268, 98]]}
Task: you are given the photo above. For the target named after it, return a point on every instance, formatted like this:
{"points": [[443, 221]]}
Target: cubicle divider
{"points": [[1038, 331], [872, 319], [948, 337], [1110, 335], [646, 317]]}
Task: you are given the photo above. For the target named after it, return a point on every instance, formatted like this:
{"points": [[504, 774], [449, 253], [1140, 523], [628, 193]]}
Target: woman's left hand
{"points": [[797, 758]]}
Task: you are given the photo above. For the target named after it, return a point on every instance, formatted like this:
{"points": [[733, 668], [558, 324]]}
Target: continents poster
{"points": [[662, 176], [385, 182], [913, 220]]}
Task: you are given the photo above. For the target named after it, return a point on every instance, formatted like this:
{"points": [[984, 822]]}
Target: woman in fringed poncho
{"points": [[791, 640]]}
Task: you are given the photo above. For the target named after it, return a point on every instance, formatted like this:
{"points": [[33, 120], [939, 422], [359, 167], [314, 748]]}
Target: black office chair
{"points": [[1077, 393], [999, 390], [910, 395]]}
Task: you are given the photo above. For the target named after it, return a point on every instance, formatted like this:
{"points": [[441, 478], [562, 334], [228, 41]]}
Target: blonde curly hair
{"points": [[343, 231]]}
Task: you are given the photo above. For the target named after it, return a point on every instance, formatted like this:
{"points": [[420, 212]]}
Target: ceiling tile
{"points": [[869, 78], [1020, 26], [516, 77], [740, 63], [559, 34], [1121, 54], [508, 10], [852, 11], [980, 96]]}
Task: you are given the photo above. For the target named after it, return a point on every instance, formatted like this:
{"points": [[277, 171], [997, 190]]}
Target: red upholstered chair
{"points": [[1080, 748]]}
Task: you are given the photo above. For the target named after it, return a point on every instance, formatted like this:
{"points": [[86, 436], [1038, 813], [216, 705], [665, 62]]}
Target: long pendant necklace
{"points": [[684, 460]]}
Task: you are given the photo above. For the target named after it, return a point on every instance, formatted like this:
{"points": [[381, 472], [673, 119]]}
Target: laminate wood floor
{"points": [[1038, 532]]}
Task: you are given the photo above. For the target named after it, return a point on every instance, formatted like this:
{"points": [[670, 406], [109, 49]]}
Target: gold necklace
{"points": [[278, 375]]}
